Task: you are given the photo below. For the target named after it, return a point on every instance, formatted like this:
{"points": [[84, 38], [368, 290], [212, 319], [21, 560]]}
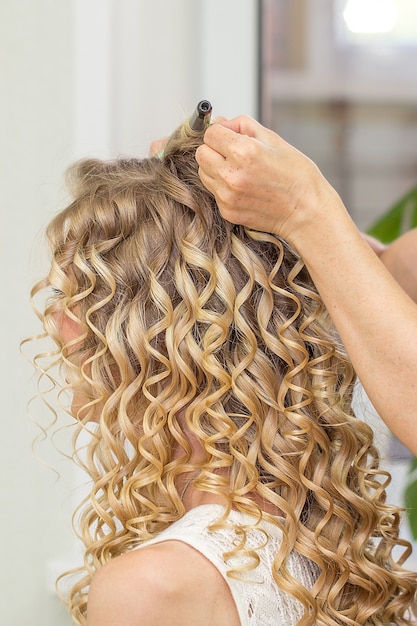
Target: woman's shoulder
{"points": [[136, 587], [156, 585]]}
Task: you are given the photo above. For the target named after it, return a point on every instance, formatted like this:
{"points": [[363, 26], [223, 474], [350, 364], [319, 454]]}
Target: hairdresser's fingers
{"points": [[244, 126], [237, 186], [158, 146], [210, 168], [226, 154], [221, 139], [226, 136], [251, 178], [224, 145], [232, 204]]}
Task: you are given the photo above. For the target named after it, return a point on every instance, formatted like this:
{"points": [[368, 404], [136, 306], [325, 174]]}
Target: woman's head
{"points": [[173, 322], [168, 307]]}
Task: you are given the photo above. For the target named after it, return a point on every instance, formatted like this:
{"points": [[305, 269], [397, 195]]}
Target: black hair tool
{"points": [[200, 119]]}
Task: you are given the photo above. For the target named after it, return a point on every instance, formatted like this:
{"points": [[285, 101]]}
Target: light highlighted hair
{"points": [[185, 318]]}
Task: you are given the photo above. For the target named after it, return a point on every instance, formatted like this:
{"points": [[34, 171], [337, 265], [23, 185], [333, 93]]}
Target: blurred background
{"points": [[105, 78], [339, 81]]}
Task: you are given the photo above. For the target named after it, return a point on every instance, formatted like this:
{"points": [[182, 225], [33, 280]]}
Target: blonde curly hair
{"points": [[186, 318]]}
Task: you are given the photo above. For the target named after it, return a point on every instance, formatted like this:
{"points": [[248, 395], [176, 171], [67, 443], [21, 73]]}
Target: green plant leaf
{"points": [[402, 216], [413, 465], [410, 498]]}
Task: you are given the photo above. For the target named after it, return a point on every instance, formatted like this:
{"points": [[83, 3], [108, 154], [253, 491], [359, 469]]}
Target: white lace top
{"points": [[259, 601]]}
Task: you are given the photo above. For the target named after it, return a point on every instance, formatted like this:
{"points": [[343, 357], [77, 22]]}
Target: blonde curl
{"points": [[186, 318]]}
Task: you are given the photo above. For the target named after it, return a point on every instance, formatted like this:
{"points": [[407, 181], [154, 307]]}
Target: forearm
{"points": [[376, 320]]}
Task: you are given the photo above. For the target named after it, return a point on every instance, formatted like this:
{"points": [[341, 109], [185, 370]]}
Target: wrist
{"points": [[318, 216]]}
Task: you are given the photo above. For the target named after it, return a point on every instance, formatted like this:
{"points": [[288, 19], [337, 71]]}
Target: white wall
{"points": [[149, 63], [35, 135], [98, 77]]}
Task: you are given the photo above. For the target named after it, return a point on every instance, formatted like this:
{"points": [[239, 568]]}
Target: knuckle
{"points": [[227, 202], [243, 149], [235, 180], [225, 197]]}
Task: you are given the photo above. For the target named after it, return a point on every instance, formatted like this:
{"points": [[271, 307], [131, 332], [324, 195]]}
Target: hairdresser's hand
{"points": [[262, 182]]}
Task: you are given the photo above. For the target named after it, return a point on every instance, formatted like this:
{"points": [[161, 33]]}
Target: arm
{"points": [[262, 182]]}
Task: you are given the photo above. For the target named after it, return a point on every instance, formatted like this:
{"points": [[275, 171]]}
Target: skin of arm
{"points": [[262, 182]]}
